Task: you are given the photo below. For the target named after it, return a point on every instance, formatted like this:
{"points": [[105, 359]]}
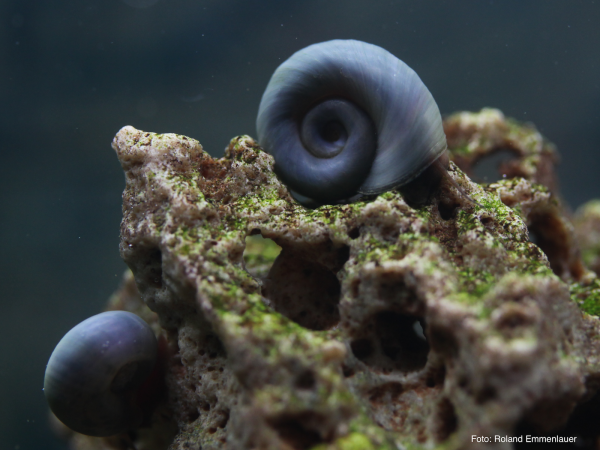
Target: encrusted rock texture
{"points": [[371, 325]]}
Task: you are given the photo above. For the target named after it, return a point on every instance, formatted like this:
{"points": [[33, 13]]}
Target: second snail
{"points": [[344, 119]]}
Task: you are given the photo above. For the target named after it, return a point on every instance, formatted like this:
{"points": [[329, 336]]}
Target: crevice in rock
{"points": [[222, 418], [552, 237], [354, 233], [533, 237], [435, 377], [214, 347], [148, 267], [395, 342], [305, 380], [555, 240], [485, 394], [305, 290], [193, 416], [447, 208], [348, 371]]}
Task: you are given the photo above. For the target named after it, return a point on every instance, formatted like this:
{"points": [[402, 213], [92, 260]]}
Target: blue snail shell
{"points": [[345, 117], [94, 370]]}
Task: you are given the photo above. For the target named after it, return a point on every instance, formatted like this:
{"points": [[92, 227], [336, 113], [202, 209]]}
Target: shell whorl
{"points": [[95, 369], [400, 134]]}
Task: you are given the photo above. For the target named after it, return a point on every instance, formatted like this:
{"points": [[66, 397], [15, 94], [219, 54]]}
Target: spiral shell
{"points": [[95, 369], [345, 117]]}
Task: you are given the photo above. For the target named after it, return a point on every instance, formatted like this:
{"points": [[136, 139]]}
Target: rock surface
{"points": [[361, 326]]}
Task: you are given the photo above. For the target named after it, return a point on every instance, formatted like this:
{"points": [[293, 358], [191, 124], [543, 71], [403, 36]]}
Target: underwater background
{"points": [[72, 73]]}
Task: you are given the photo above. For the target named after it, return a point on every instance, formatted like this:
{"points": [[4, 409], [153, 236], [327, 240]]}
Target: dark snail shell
{"points": [[93, 373], [345, 117]]}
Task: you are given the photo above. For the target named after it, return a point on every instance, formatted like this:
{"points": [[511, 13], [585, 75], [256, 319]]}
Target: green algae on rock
{"points": [[376, 326]]}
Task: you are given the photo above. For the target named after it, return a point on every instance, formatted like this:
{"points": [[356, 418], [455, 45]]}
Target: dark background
{"points": [[72, 73]]}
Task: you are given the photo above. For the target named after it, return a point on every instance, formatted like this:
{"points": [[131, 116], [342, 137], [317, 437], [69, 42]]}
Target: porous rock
{"points": [[360, 326]]}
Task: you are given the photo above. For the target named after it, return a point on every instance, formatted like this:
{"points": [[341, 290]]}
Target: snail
{"points": [[345, 119], [96, 371]]}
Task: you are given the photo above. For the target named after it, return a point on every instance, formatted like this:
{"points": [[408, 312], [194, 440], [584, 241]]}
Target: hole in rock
{"points": [[447, 208], [212, 346], [495, 166], [435, 377], [396, 342], [487, 222], [551, 235], [298, 431], [347, 371], [304, 291], [193, 416], [485, 394], [259, 255], [445, 421], [306, 380], [362, 348], [533, 237], [147, 267], [222, 419], [354, 233]]}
